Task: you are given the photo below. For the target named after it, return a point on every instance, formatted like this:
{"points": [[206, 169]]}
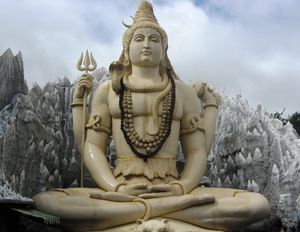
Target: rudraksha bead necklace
{"points": [[133, 139]]}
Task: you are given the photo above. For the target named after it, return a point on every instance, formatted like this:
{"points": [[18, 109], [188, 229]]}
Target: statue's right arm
{"points": [[98, 128]]}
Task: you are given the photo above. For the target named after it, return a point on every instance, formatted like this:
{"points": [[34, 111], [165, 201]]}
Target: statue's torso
{"points": [[163, 163]]}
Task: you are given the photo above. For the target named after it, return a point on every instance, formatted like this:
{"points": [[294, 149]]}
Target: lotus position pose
{"points": [[147, 110]]}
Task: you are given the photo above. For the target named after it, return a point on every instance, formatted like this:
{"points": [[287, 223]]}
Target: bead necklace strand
{"points": [[133, 139]]}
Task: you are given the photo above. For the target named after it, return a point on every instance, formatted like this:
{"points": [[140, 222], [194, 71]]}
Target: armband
{"points": [[195, 122], [95, 124]]}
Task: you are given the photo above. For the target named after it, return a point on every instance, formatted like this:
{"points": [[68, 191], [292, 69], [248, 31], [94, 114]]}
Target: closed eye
{"points": [[138, 38], [155, 38]]}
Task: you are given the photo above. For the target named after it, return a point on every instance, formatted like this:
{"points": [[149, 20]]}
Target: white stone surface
{"points": [[256, 152]]}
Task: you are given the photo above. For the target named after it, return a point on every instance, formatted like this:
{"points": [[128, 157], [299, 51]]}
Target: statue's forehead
{"points": [[146, 31]]}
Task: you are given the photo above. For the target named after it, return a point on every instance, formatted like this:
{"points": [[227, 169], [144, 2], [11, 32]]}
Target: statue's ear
{"points": [[139, 221]]}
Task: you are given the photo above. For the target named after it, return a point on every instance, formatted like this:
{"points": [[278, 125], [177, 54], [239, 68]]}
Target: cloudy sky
{"points": [[245, 47]]}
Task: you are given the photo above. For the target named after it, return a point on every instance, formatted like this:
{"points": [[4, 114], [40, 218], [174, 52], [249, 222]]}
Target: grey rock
{"points": [[7, 193], [11, 77], [36, 139], [37, 150], [256, 152]]}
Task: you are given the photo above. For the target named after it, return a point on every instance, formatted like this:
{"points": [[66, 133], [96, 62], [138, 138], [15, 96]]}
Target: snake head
{"points": [[116, 72]]}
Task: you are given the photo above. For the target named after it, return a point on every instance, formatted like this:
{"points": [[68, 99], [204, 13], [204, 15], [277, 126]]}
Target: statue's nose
{"points": [[146, 44]]}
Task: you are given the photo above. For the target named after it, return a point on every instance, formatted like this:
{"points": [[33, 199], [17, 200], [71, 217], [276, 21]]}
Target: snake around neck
{"points": [[148, 147]]}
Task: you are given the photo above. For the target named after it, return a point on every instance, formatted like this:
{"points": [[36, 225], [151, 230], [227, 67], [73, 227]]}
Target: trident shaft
{"points": [[86, 65]]}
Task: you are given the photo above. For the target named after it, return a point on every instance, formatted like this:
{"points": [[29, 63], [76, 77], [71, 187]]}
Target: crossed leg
{"points": [[232, 209], [80, 212]]}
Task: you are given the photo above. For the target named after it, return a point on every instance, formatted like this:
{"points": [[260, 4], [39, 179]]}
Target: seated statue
{"points": [[147, 110]]}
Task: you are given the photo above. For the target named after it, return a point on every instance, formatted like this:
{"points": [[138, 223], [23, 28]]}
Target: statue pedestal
{"points": [[155, 223]]}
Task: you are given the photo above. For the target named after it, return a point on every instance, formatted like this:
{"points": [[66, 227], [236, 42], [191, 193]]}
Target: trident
{"points": [[86, 65]]}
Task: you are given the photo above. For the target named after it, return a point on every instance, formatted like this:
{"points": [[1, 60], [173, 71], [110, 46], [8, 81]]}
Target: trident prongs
{"points": [[79, 62], [88, 64], [93, 65]]}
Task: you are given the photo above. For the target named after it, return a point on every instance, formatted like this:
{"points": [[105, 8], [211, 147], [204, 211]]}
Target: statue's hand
{"points": [[85, 83], [199, 88], [204, 199], [205, 93], [111, 196], [133, 189], [162, 190]]}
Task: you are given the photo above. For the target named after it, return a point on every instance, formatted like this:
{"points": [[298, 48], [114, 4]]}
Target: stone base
{"points": [[154, 224]]}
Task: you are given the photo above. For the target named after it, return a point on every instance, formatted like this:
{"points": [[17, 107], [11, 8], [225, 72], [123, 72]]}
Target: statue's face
{"points": [[146, 48]]}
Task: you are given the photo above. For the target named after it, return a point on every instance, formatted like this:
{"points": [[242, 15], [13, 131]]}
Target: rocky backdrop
{"points": [[252, 151]]}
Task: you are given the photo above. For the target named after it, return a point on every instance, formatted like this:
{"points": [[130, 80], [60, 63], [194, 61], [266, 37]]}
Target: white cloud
{"points": [[250, 47]]}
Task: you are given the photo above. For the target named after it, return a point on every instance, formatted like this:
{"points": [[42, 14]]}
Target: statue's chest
{"points": [[142, 105]]}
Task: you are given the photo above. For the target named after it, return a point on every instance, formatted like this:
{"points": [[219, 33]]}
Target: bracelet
{"points": [[209, 104], [179, 183], [116, 188], [74, 104], [147, 208]]}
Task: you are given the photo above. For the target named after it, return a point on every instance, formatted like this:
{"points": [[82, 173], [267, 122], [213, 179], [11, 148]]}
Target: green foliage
{"points": [[294, 119], [280, 116]]}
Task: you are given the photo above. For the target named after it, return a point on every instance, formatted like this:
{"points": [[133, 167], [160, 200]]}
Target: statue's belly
{"points": [[169, 149]]}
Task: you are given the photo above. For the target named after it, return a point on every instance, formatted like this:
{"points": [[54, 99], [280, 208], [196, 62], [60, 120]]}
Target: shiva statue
{"points": [[147, 110]]}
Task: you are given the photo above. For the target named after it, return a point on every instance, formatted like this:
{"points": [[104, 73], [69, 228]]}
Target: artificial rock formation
{"points": [[256, 152], [36, 139], [11, 77]]}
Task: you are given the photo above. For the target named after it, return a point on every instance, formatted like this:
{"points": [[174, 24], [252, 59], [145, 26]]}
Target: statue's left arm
{"points": [[197, 135], [210, 102]]}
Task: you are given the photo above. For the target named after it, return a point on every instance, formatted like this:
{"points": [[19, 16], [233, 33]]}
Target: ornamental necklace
{"points": [[133, 139]]}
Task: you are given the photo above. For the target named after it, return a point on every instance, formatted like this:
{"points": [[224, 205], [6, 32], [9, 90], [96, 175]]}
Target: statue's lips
{"points": [[146, 53]]}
